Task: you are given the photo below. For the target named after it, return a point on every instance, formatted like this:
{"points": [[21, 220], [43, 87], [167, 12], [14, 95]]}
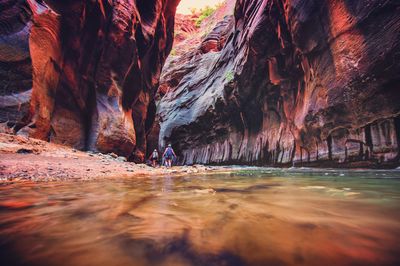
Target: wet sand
{"points": [[26, 159]]}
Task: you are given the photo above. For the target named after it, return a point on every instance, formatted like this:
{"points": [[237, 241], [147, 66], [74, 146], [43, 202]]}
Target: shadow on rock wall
{"points": [[294, 83]]}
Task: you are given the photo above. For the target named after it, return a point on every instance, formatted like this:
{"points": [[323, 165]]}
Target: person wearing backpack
{"points": [[154, 158], [169, 154]]}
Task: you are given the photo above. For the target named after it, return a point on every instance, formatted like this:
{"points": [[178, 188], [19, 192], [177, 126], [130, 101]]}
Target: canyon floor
{"points": [[27, 159]]}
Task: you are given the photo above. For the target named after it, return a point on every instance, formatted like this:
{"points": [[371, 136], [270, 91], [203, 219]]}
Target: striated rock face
{"points": [[185, 34], [290, 83], [189, 33], [15, 63], [96, 66]]}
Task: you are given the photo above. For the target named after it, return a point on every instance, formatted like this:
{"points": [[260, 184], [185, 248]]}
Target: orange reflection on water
{"points": [[265, 219]]}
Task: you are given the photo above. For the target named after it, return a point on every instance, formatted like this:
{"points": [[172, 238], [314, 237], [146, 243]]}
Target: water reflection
{"points": [[252, 217]]}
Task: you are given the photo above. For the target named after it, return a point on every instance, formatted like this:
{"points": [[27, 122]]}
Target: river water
{"points": [[255, 216]]}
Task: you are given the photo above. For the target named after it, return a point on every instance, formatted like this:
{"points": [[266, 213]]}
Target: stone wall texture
{"points": [[290, 82], [15, 62], [95, 69]]}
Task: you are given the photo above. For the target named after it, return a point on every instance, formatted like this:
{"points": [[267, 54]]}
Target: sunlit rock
{"points": [[96, 66]]}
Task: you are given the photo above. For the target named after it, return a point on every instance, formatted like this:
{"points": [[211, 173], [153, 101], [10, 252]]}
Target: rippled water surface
{"points": [[251, 217]]}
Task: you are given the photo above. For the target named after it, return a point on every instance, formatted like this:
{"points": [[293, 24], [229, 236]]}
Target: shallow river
{"points": [[252, 217]]}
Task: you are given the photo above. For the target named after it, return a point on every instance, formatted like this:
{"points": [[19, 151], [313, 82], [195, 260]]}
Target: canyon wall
{"points": [[95, 69], [15, 62], [289, 82]]}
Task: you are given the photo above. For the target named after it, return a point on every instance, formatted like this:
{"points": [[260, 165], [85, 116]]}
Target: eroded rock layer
{"points": [[96, 66], [15, 63], [289, 83]]}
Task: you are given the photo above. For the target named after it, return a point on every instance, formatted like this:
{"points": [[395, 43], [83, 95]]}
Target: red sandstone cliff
{"points": [[96, 66], [290, 82]]}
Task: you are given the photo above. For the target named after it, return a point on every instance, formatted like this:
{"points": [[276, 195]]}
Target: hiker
{"points": [[154, 158], [169, 154]]}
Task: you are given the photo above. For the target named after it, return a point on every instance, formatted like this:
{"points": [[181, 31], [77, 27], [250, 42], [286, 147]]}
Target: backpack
{"points": [[169, 152]]}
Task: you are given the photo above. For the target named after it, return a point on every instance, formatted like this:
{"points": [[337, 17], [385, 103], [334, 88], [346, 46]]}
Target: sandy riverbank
{"points": [[35, 160]]}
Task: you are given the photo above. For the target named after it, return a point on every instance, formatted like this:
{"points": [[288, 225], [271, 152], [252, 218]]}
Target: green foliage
{"points": [[204, 13], [229, 76]]}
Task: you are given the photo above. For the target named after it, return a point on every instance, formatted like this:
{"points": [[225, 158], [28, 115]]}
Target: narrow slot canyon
{"points": [[191, 133], [249, 79]]}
